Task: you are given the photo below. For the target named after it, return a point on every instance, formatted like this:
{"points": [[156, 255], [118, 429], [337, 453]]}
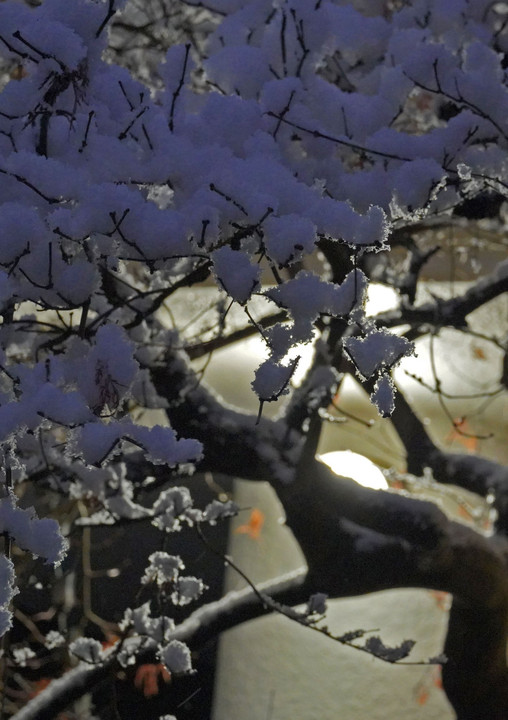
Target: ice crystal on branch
{"points": [[87, 649], [8, 590]]}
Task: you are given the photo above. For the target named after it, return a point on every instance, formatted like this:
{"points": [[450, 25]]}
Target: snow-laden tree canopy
{"points": [[275, 156]]}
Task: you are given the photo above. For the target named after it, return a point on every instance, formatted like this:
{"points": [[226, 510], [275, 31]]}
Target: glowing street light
{"points": [[357, 467]]}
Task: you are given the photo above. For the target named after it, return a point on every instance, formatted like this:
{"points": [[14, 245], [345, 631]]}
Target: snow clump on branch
{"points": [[115, 195]]}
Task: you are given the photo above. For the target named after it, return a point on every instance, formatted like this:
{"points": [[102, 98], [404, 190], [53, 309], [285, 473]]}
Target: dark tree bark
{"points": [[356, 540]]}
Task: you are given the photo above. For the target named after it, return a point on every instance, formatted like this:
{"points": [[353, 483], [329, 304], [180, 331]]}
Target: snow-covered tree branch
{"points": [[281, 157]]}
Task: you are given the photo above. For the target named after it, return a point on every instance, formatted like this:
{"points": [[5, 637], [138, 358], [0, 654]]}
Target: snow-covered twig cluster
{"points": [[273, 154]]}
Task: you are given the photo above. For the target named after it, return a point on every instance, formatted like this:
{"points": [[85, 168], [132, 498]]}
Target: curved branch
{"points": [[205, 622], [216, 343], [357, 540], [235, 443], [451, 312], [476, 474]]}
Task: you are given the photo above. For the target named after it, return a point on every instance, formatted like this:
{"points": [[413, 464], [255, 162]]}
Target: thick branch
{"points": [[357, 540], [475, 676], [451, 312], [473, 473], [234, 443]]}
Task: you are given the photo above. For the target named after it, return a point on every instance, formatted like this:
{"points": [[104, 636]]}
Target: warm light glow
{"points": [[357, 467]]}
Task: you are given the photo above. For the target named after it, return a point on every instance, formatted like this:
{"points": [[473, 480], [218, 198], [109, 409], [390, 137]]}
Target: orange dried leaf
{"points": [[464, 512], [478, 352], [436, 678], [422, 696], [461, 433], [442, 599], [147, 678], [39, 685], [111, 639], [254, 526], [396, 485]]}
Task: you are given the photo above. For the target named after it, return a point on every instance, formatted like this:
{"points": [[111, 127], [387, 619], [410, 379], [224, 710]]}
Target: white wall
{"points": [[273, 669]]}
